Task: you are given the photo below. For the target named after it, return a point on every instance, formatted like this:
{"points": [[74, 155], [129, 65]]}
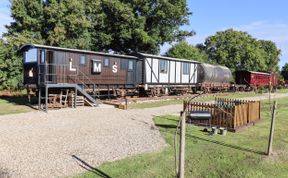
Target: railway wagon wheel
{"points": [[205, 90], [241, 89]]}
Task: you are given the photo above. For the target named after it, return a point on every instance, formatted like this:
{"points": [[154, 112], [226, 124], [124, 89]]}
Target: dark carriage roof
{"points": [[254, 72], [165, 58], [30, 45]]}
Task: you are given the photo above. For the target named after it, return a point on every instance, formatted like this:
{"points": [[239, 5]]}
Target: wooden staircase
{"points": [[80, 101]]}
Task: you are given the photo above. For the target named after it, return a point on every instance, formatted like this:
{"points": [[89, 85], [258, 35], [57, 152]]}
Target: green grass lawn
{"points": [[239, 154], [13, 104], [284, 90], [152, 104]]}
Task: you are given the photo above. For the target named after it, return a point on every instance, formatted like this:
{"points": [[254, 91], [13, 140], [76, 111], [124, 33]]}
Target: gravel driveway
{"points": [[64, 142], [37, 144]]}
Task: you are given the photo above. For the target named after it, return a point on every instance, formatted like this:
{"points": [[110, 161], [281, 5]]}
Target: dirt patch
{"points": [[277, 156]]}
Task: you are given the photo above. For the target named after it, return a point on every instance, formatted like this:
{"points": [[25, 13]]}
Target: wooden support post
{"points": [[269, 151], [94, 88], [75, 97], [182, 146], [46, 98], [126, 103], [39, 98]]}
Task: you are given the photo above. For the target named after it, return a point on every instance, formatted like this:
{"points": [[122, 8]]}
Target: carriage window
{"points": [[163, 65], [82, 60], [130, 65], [106, 62], [186, 68], [31, 55], [42, 56]]}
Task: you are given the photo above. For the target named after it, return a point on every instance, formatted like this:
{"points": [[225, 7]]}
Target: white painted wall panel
{"points": [[178, 72], [155, 68], [196, 73], [185, 77], [172, 71], [192, 74], [148, 70], [163, 77]]}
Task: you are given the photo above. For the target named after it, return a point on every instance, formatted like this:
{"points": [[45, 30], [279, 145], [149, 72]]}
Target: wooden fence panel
{"points": [[228, 113]]}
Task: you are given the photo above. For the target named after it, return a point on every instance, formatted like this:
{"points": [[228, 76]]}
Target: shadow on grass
{"points": [[20, 100], [170, 126], [228, 145], [89, 168], [166, 126]]}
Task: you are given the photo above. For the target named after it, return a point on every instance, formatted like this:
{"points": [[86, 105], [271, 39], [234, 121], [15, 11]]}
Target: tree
{"points": [[240, 51], [119, 25], [28, 22], [187, 51], [284, 71], [139, 25], [66, 24], [271, 55], [10, 67]]}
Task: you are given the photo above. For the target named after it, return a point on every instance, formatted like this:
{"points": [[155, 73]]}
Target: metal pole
{"points": [[39, 98], [75, 96], [126, 103], [46, 98], [182, 146], [269, 151]]}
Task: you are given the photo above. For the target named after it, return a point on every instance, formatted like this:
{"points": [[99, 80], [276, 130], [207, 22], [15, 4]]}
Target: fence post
{"points": [[269, 151], [182, 146]]}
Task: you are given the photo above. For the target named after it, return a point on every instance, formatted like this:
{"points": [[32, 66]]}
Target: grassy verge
{"points": [[284, 90], [13, 105], [151, 104], [239, 154]]}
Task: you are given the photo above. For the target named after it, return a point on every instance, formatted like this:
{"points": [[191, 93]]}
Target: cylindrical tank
{"points": [[208, 73]]}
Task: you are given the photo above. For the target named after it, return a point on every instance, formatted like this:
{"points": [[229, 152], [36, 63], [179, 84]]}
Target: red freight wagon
{"points": [[255, 79]]}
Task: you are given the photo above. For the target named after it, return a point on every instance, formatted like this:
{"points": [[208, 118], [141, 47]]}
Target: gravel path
{"points": [[62, 142], [37, 144]]}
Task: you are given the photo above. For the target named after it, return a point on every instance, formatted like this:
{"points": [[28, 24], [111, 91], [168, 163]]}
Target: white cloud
{"points": [[274, 31], [277, 32]]}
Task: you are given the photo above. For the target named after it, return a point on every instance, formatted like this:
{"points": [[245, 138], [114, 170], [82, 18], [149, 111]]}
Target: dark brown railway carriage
{"points": [[53, 71], [47, 64]]}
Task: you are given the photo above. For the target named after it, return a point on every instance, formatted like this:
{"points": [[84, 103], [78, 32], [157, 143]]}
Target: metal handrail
{"points": [[63, 76]]}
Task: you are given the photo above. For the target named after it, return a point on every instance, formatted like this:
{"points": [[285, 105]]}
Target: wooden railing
{"points": [[229, 113]]}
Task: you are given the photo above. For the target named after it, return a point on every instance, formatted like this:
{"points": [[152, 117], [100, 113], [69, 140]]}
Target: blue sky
{"points": [[263, 19]]}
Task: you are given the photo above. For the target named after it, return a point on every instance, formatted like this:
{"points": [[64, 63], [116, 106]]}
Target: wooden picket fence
{"points": [[229, 113]]}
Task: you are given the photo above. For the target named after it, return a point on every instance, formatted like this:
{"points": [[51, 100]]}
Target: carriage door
{"points": [[131, 72], [30, 66], [51, 68]]}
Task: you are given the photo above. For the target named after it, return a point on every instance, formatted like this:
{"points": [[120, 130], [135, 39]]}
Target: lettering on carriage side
{"points": [[70, 65], [97, 67], [115, 68]]}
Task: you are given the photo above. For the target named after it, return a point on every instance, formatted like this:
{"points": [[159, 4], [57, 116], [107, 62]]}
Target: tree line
{"points": [[235, 49], [124, 26]]}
